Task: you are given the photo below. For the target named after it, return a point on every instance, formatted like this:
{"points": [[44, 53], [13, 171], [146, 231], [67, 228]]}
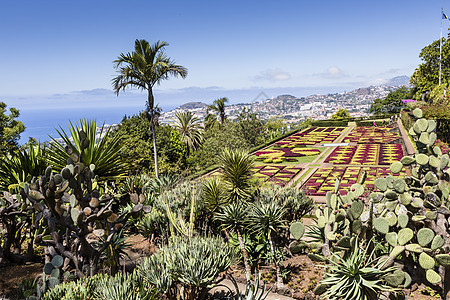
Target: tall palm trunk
{"points": [[151, 114], [280, 284], [248, 270]]}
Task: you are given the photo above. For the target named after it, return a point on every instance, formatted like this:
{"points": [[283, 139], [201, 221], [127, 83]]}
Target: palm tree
{"points": [[219, 107], [234, 217], [142, 69], [190, 129], [236, 166], [267, 219]]}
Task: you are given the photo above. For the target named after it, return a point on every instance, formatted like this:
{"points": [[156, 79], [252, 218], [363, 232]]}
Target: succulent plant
{"points": [[73, 205], [419, 203]]}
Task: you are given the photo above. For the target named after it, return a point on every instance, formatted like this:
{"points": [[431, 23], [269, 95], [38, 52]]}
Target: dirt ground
{"points": [[13, 274], [302, 278]]}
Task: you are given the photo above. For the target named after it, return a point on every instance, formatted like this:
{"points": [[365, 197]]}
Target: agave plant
{"points": [[22, 166], [123, 287], [99, 149], [252, 290], [356, 276], [193, 265]]}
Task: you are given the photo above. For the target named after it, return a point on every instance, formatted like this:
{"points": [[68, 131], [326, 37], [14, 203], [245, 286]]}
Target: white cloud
{"points": [[272, 75], [332, 72]]}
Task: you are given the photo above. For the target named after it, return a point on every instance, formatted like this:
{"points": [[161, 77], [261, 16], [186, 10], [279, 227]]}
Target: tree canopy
{"points": [[341, 113], [392, 103], [144, 68], [426, 75], [10, 129]]}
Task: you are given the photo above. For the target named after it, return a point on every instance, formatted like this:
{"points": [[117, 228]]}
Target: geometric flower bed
{"points": [[311, 136], [277, 154], [371, 135], [323, 180], [366, 154], [277, 174]]}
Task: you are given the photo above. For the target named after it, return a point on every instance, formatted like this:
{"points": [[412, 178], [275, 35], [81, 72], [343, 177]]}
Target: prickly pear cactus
{"points": [[77, 213], [412, 213], [338, 221]]}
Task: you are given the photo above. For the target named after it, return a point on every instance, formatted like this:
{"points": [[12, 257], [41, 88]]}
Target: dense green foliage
{"points": [[426, 76], [10, 129], [341, 113], [392, 103]]}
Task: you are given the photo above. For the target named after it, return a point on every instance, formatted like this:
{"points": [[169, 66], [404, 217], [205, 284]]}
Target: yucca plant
{"points": [[99, 150], [212, 194], [234, 217], [236, 166], [267, 219], [355, 276]]}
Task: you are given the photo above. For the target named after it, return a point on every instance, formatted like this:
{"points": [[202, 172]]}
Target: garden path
{"points": [[229, 284]]}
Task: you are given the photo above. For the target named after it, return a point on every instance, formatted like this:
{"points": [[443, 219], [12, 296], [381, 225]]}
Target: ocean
{"points": [[41, 124]]}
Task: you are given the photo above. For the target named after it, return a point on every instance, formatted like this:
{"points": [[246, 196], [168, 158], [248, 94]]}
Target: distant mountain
{"points": [[192, 105], [398, 81], [285, 97]]}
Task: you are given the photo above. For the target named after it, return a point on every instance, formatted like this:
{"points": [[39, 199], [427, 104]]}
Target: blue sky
{"points": [[58, 54]]}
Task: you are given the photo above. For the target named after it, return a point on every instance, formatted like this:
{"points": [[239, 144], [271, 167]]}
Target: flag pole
{"points": [[440, 49]]}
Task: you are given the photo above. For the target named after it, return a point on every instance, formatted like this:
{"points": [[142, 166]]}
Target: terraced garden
{"points": [[313, 158]]}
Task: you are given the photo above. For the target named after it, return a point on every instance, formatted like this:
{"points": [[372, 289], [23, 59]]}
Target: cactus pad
{"points": [[405, 198], [392, 218], [358, 189], [356, 209], [422, 124], [399, 185], [422, 159], [57, 261], [431, 178], [431, 125], [432, 139], [444, 161], [357, 226], [402, 220], [417, 113], [416, 248], [426, 261], [443, 259], [405, 235], [396, 278], [381, 225], [381, 184], [48, 268], [297, 230], [434, 161], [74, 213], [433, 277], [391, 238], [425, 236], [438, 242], [396, 167], [424, 138], [397, 251], [344, 242], [407, 160]]}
